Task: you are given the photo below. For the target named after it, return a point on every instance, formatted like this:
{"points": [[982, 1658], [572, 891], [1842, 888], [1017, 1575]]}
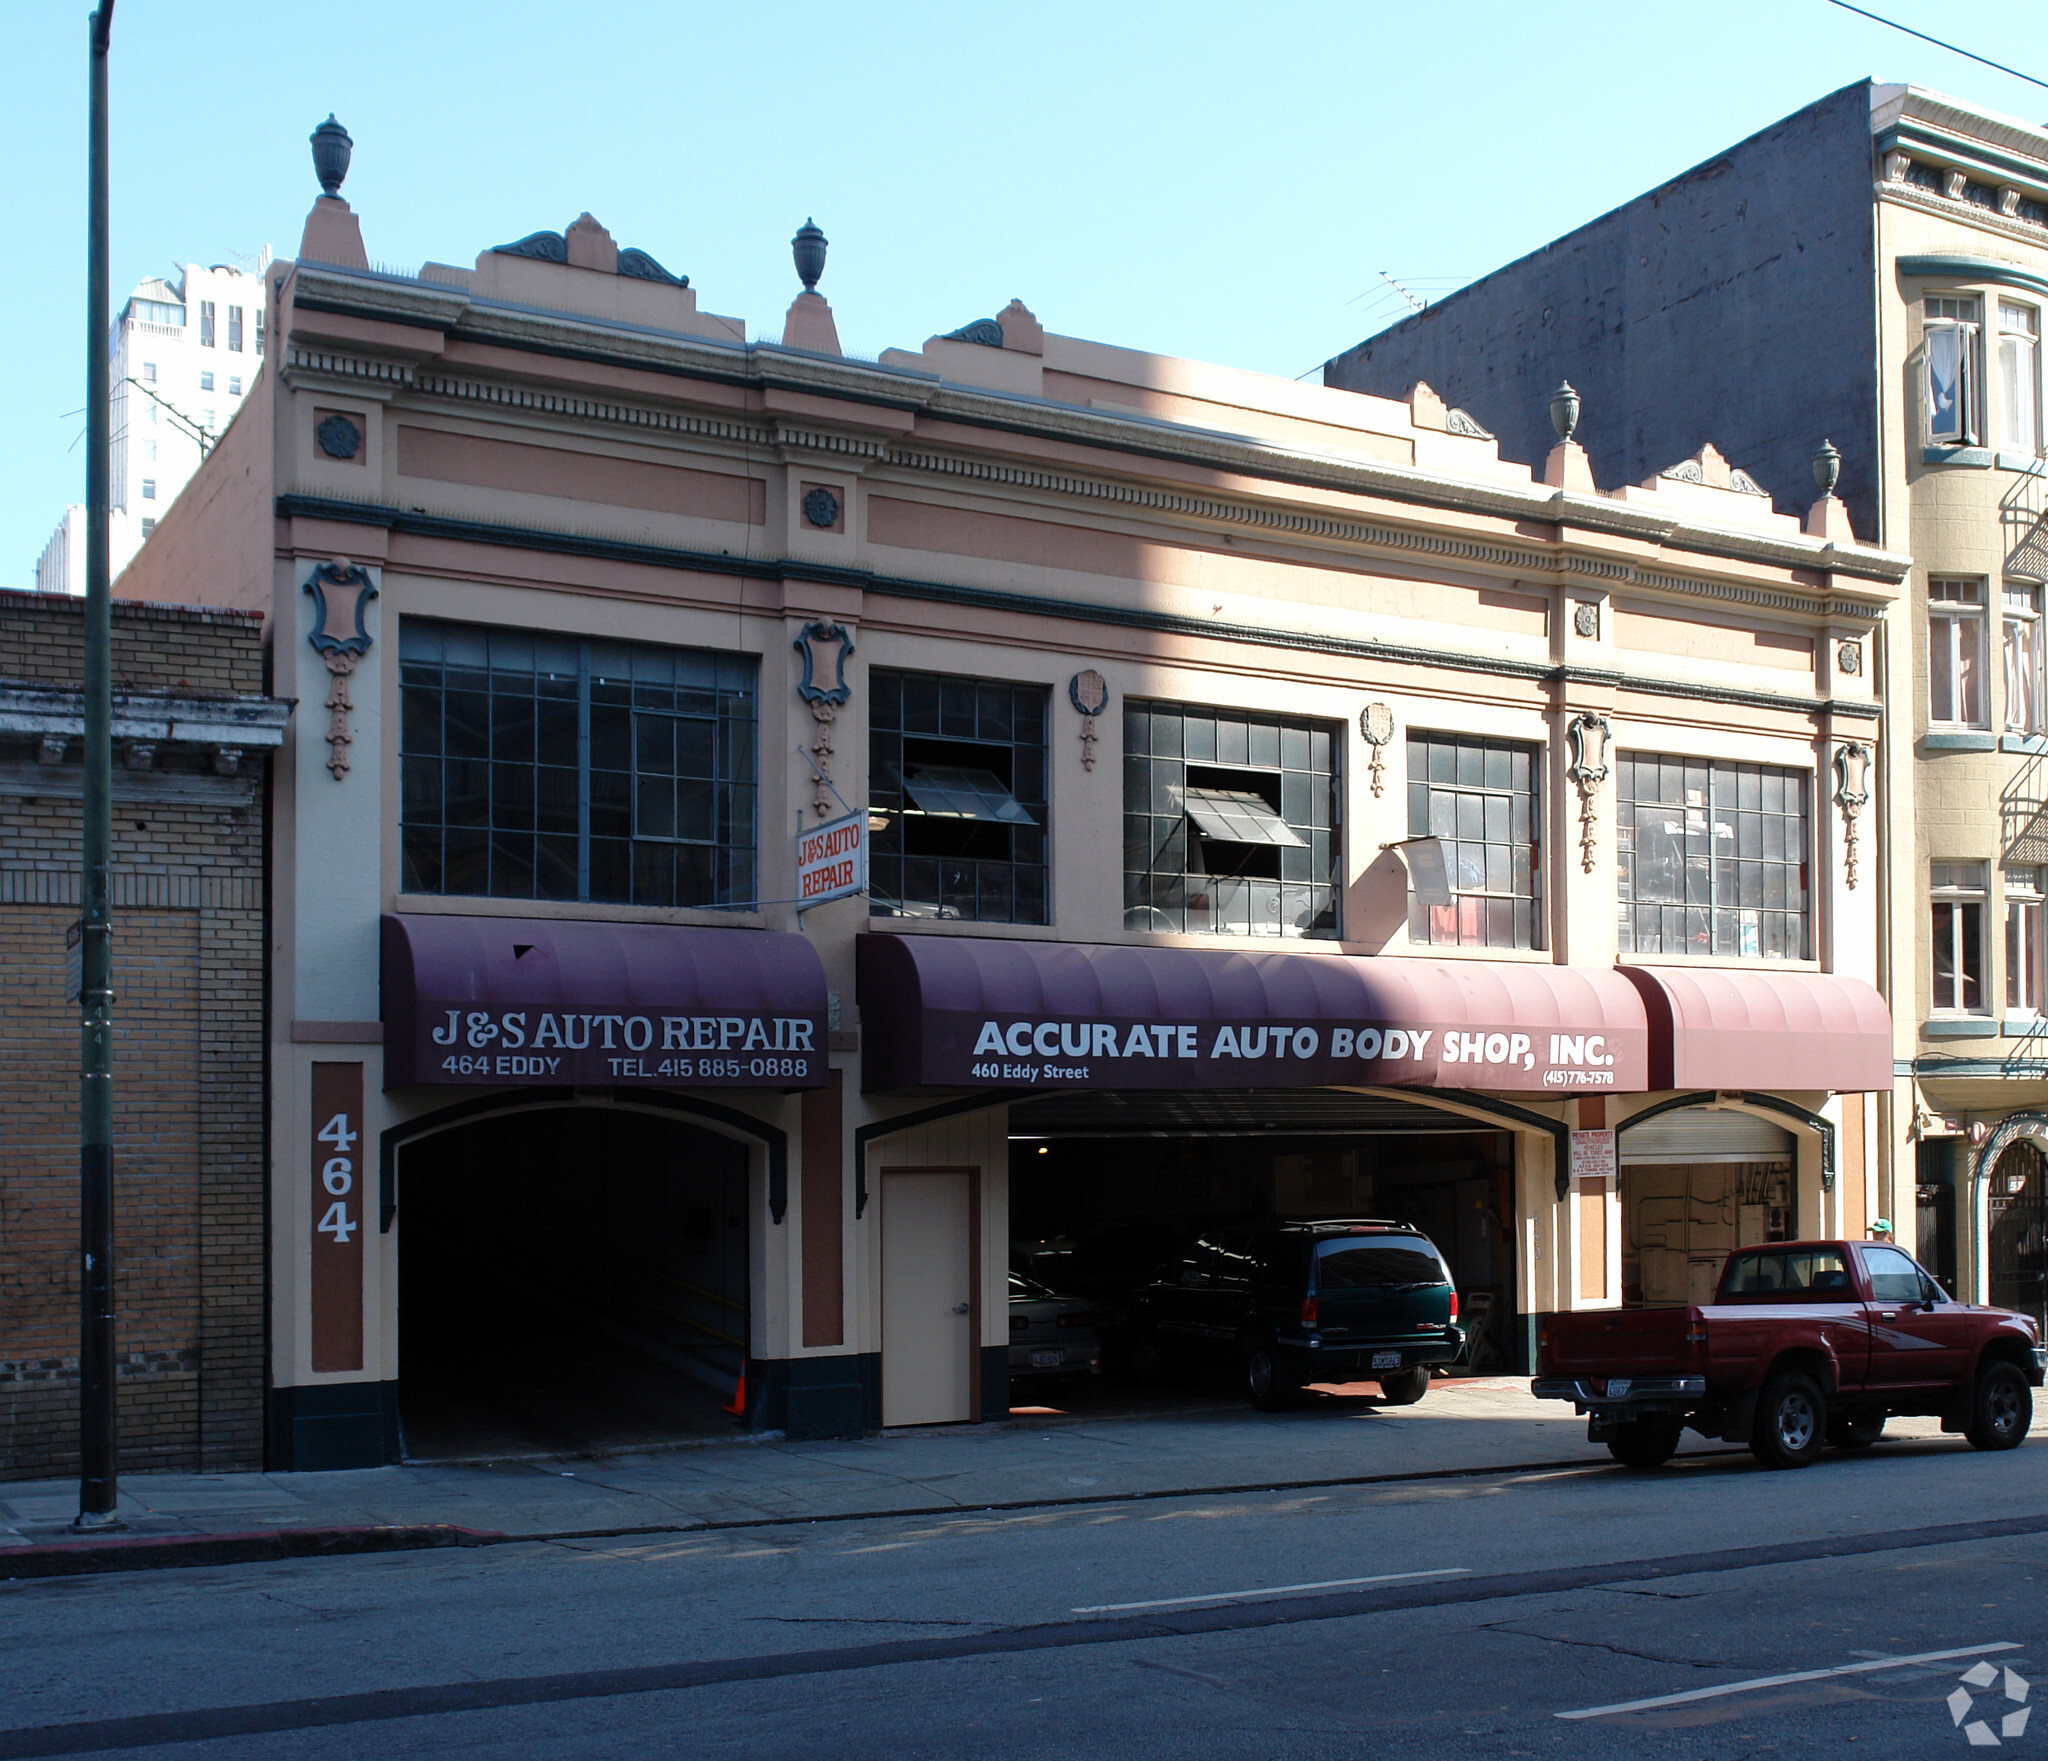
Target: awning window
{"points": [[1239, 817], [961, 792]]}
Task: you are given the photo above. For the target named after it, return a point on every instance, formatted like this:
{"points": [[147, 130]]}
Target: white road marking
{"points": [[1779, 1681], [1392, 1577]]}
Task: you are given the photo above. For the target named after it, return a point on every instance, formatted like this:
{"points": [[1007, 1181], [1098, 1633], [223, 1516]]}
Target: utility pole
{"points": [[97, 1483]]}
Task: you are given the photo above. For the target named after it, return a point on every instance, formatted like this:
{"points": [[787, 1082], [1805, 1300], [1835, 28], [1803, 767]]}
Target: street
{"points": [[1483, 1615]]}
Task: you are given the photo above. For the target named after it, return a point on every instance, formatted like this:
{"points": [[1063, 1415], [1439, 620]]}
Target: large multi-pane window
{"points": [[2019, 377], [1482, 798], [235, 327], [549, 767], [1956, 921], [1951, 345], [206, 324], [2023, 695], [2023, 902], [1712, 858], [1955, 653], [1230, 822], [956, 771]]}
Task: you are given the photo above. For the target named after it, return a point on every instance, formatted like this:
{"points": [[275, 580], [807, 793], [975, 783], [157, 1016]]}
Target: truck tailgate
{"points": [[1615, 1342]]}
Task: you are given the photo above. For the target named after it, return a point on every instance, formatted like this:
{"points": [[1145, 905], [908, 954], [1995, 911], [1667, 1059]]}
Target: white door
{"points": [[927, 1317]]}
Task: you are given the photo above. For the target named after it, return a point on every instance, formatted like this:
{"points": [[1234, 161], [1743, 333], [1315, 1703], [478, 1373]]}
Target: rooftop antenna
{"points": [[1413, 302]]}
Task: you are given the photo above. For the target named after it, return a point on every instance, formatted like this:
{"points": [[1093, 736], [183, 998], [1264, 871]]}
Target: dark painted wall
{"points": [[1735, 304]]}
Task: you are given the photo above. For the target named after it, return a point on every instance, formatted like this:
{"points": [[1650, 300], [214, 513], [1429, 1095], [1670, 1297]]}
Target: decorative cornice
{"points": [[860, 383], [1568, 561], [416, 523], [29, 708], [1946, 208], [300, 361]]}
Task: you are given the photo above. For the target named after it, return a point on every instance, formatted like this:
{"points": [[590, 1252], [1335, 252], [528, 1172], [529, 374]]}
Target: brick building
{"points": [[192, 730]]}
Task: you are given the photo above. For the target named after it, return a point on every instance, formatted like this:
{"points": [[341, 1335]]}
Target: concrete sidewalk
{"points": [[1463, 1426]]}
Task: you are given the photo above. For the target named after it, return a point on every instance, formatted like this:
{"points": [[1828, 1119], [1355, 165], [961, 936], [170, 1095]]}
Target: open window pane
{"points": [[1243, 818], [1239, 817], [960, 792], [957, 775]]}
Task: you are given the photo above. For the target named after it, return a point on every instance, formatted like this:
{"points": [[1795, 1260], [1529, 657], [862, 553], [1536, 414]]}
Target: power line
{"points": [[1981, 61]]}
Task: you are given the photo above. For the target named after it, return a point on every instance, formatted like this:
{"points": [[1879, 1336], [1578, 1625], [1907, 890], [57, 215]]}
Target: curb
{"points": [[63, 1559]]}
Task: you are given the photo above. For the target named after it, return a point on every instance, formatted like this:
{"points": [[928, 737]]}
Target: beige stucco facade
{"points": [[1964, 757], [570, 449]]}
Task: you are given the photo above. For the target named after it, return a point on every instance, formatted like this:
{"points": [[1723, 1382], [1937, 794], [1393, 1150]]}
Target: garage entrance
{"points": [[1696, 1183], [570, 1279], [1107, 1191]]}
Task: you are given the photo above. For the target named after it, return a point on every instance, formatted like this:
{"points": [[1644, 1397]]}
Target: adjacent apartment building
{"points": [[185, 355], [1872, 270], [1211, 789]]}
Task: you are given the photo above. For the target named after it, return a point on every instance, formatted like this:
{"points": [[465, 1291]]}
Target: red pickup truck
{"points": [[1806, 1344]]}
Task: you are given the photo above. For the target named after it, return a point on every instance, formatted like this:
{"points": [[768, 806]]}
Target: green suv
{"points": [[1292, 1303]]}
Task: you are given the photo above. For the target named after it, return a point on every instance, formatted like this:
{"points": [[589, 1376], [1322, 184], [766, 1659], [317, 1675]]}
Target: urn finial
{"points": [[1564, 410], [331, 148], [808, 248], [1827, 468]]}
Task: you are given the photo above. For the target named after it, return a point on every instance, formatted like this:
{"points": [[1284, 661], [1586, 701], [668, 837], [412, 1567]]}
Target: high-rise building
{"points": [[185, 355]]}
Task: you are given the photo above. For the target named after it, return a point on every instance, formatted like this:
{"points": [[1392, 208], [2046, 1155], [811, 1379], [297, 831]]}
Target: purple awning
{"points": [[942, 1011], [1741, 1028], [496, 1001]]}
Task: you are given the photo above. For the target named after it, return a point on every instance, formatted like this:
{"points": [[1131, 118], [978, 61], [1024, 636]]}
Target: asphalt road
{"points": [[1488, 1616]]}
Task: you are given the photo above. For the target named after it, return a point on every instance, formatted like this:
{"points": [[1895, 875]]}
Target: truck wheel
{"points": [[1855, 1431], [1271, 1387], [2002, 1409], [1645, 1443], [1405, 1387], [1791, 1422]]}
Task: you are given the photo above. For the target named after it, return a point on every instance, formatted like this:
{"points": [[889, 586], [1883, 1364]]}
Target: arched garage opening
{"points": [[571, 1278]]}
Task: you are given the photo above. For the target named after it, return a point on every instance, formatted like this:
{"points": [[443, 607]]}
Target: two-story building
{"points": [[768, 830]]}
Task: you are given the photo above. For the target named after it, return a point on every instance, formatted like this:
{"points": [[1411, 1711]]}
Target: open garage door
{"points": [[570, 1279], [1108, 1192]]}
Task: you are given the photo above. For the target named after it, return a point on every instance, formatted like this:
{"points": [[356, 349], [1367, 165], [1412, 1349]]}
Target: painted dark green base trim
{"points": [[995, 1382], [333, 1425], [809, 1397]]}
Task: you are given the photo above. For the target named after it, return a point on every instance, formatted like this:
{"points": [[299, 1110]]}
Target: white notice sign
{"points": [[831, 860], [1593, 1156]]}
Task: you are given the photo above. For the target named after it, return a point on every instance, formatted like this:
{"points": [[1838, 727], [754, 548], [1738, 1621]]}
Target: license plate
{"points": [[1386, 1360], [1618, 1387], [1046, 1360]]}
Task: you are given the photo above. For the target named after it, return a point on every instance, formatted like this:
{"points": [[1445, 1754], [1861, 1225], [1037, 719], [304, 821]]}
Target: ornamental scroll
{"points": [[340, 590], [825, 648]]}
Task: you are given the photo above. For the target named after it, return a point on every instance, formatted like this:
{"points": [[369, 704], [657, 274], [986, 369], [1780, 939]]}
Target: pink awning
{"points": [[1720, 1028]]}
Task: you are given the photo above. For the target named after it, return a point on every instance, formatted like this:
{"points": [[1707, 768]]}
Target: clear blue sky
{"points": [[1219, 181]]}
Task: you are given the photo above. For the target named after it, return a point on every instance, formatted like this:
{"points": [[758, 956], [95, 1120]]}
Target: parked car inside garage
{"points": [[1295, 1303], [1053, 1338]]}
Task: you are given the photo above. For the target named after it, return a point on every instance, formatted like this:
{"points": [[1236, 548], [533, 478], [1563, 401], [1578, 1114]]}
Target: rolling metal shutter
{"points": [[1704, 1134]]}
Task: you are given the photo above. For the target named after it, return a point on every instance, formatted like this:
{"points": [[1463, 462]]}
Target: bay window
{"points": [[1956, 919], [1951, 349], [1955, 653]]}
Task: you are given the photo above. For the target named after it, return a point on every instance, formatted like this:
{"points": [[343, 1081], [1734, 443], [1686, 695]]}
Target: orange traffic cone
{"points": [[737, 1406]]}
